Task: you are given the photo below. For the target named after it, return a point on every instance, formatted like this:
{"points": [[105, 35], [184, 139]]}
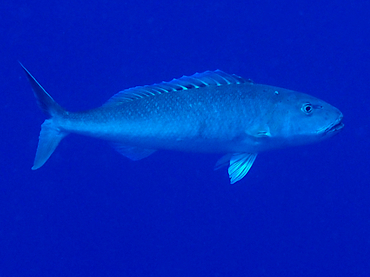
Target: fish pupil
{"points": [[307, 108]]}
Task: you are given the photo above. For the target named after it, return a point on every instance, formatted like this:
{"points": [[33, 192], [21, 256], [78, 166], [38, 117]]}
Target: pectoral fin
{"points": [[260, 132], [239, 164]]}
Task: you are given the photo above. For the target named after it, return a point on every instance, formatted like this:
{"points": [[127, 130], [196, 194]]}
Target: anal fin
{"points": [[132, 152]]}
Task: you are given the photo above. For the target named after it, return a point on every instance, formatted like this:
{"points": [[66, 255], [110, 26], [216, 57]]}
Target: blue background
{"points": [[89, 211]]}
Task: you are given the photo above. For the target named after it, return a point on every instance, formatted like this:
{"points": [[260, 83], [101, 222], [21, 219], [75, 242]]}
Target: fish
{"points": [[209, 112]]}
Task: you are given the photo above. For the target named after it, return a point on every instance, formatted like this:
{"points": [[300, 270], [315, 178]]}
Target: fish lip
{"points": [[334, 127]]}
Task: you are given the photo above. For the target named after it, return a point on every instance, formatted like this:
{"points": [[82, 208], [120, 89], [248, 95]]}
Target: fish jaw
{"points": [[332, 128]]}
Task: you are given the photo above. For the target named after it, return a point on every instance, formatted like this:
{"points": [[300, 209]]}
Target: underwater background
{"points": [[89, 211]]}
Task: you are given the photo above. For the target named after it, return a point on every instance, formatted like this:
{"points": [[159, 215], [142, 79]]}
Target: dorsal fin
{"points": [[198, 80]]}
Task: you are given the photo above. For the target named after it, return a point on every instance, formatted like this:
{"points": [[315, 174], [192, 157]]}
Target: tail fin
{"points": [[51, 134]]}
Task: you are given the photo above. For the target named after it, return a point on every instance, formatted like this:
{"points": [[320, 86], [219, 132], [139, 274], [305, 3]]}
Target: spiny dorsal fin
{"points": [[198, 80]]}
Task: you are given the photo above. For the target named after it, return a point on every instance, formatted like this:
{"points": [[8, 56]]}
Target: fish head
{"points": [[302, 119]]}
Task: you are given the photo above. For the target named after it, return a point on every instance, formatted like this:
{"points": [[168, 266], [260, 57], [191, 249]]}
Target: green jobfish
{"points": [[210, 112]]}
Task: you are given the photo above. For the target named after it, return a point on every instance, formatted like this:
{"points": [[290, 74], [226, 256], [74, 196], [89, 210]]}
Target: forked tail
{"points": [[51, 134]]}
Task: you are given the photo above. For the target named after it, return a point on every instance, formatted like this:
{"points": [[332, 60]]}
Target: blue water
{"points": [[89, 211]]}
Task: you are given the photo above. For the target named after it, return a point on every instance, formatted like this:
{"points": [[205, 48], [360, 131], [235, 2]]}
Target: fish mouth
{"points": [[334, 127]]}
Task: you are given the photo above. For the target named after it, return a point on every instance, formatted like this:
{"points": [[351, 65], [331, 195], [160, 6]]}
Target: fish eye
{"points": [[307, 108]]}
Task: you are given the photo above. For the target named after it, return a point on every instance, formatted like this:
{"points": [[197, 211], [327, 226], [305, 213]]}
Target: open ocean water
{"points": [[89, 211]]}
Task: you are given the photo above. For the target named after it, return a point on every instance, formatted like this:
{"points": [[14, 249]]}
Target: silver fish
{"points": [[210, 112]]}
